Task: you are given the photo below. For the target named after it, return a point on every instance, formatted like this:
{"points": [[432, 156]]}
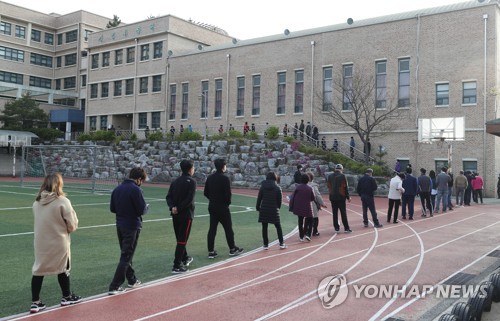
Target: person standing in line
{"points": [[301, 129], [267, 128], [297, 175], [180, 200], [352, 144], [295, 130], [253, 128], [221, 129], [54, 221], [172, 132], [498, 186], [190, 128], [424, 191], [285, 130], [268, 206], [397, 167], [338, 193], [442, 180], [450, 189], [468, 189], [395, 191], [231, 127], [181, 129], [218, 192], [323, 143], [308, 131], [367, 185], [335, 145], [432, 176], [317, 204], [460, 186], [128, 203], [477, 187], [410, 186], [246, 128], [300, 205]]}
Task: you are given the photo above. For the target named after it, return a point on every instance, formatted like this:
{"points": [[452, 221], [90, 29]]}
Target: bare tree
{"points": [[356, 103]]}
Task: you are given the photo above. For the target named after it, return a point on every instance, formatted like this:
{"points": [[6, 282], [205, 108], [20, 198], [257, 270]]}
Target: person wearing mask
{"points": [[268, 206], [180, 201], [54, 221], [297, 175], [128, 203], [367, 185], [218, 191], [317, 204]]}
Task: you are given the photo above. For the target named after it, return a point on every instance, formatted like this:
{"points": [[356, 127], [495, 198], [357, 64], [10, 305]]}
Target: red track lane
{"points": [[282, 284]]}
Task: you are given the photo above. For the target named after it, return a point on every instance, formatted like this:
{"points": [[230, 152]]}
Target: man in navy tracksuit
{"points": [[180, 200], [367, 185], [410, 186], [129, 205], [218, 192]]}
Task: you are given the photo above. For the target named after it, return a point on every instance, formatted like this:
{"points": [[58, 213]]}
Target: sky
{"points": [[242, 20]]}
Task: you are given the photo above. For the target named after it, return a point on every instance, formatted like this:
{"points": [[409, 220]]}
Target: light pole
{"points": [[204, 112]]}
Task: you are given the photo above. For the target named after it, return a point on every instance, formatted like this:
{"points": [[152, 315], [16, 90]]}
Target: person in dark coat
{"points": [[338, 190], [365, 189], [468, 189], [408, 199], [300, 205], [268, 206]]}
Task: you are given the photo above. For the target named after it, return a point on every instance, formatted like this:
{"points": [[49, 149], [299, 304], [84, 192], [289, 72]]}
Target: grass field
{"points": [[95, 251]]}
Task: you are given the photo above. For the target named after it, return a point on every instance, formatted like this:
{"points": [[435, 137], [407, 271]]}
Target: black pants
{"points": [[265, 237], [467, 195], [408, 202], [305, 226], [477, 195], [222, 216], [182, 228], [336, 207], [315, 224], [128, 242], [368, 203], [393, 204], [37, 281], [425, 199]]}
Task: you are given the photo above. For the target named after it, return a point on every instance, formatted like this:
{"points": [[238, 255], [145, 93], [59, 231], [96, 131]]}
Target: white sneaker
{"points": [[135, 285], [283, 246], [265, 247]]}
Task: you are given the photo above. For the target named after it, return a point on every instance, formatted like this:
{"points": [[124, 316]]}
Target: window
{"points": [[155, 119], [144, 52], [404, 83], [95, 61], [158, 49], [105, 58], [280, 108], [5, 28], [130, 54], [185, 101], [71, 36], [93, 91], [11, 54], [143, 85], [129, 87], [327, 88], [36, 35], [381, 84], [84, 81], [117, 88], [58, 84], [20, 32], [49, 38], [218, 98], [92, 122], [104, 89], [470, 165], [442, 94], [69, 82], [59, 39], [40, 60], [256, 95], [70, 60], [439, 163], [240, 104], [156, 83], [469, 95], [83, 103], [59, 62], [143, 120], [299, 92], [204, 99], [40, 82], [11, 77], [104, 123], [347, 91], [173, 101], [118, 57]]}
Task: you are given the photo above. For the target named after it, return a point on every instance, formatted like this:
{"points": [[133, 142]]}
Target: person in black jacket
{"points": [[365, 189], [268, 206], [218, 192], [297, 175], [180, 200], [128, 203]]}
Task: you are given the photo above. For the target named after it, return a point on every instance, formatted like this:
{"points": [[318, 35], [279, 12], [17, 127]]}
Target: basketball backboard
{"points": [[441, 129]]}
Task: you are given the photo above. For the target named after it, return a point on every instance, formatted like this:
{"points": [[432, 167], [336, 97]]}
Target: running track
{"points": [[282, 284]]}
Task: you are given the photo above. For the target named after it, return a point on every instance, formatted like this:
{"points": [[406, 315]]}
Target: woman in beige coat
{"points": [[55, 219], [317, 204]]}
